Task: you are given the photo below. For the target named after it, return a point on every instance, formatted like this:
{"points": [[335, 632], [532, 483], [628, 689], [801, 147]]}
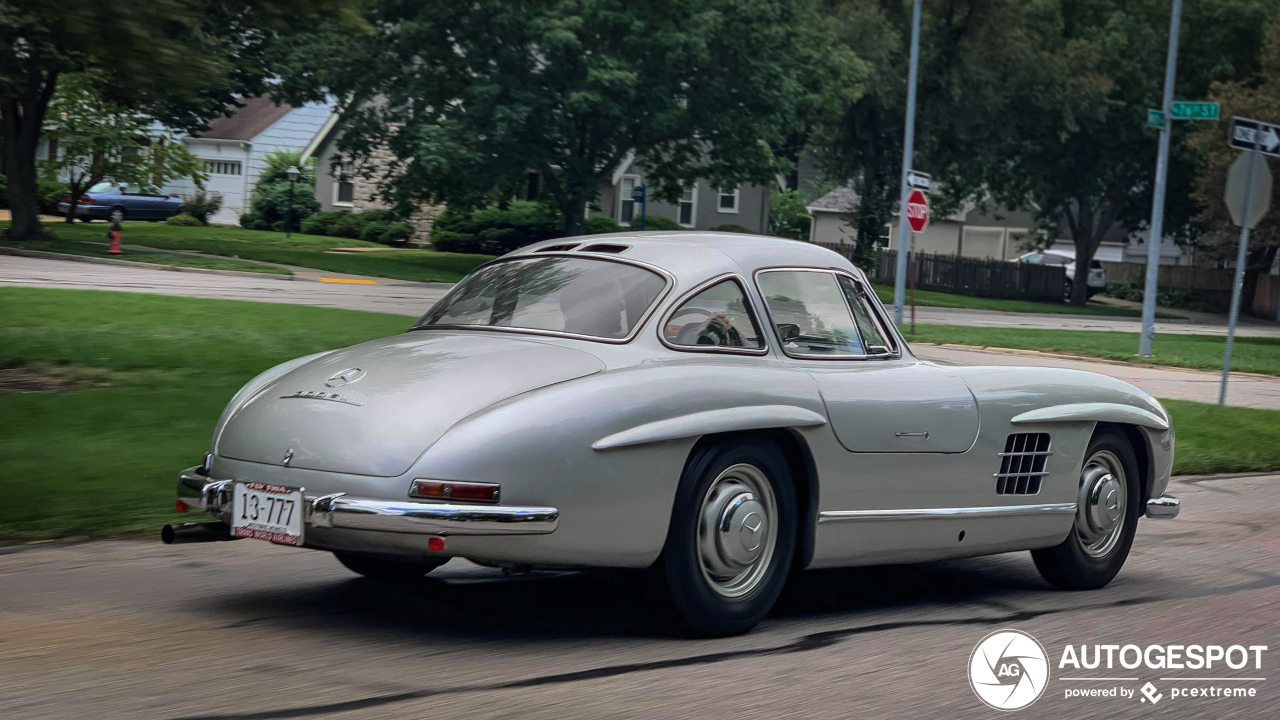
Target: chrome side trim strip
{"points": [[966, 512]]}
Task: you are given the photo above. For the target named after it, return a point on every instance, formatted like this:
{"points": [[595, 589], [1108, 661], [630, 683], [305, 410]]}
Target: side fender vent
{"points": [[1022, 464]]}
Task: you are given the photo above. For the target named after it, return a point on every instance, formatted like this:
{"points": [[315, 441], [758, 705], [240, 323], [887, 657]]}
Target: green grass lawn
{"points": [[1217, 438], [73, 247], [104, 460], [1257, 355], [929, 298], [156, 372], [301, 250]]}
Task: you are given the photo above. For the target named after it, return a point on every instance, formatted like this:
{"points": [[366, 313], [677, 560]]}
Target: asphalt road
{"points": [[407, 298], [252, 631]]}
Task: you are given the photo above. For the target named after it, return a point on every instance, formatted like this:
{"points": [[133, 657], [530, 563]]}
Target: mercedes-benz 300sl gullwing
{"points": [[721, 409]]}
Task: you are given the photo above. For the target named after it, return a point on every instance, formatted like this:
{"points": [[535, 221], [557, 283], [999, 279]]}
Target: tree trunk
{"points": [[575, 211], [24, 203]]}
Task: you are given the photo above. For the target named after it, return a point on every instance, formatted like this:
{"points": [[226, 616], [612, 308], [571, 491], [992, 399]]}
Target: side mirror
{"points": [[788, 331]]}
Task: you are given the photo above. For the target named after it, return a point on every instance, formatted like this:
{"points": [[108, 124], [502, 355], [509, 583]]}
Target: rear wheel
{"points": [[1108, 505], [386, 567], [732, 537]]}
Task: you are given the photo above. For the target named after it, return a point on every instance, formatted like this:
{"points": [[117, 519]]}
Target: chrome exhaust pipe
{"points": [[175, 533]]}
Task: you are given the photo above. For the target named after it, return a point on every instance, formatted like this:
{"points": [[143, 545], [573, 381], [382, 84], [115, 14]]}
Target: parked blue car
{"points": [[132, 202]]}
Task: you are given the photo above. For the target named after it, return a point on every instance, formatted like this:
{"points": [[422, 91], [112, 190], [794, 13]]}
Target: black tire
{"points": [[85, 219], [1067, 565], [703, 609], [388, 568], [1067, 287]]}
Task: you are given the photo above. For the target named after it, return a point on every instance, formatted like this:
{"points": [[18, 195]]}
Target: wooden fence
{"points": [[970, 276], [1266, 297]]}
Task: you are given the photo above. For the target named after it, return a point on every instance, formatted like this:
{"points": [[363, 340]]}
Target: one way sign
{"points": [[1255, 135]]}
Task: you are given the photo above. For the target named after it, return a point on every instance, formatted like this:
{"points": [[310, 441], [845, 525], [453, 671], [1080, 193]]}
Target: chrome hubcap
{"points": [[1103, 501], [737, 530]]}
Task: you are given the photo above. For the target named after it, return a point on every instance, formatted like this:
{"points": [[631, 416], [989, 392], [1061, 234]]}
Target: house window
{"points": [[728, 201], [626, 205], [222, 167], [344, 191], [688, 213], [53, 148]]}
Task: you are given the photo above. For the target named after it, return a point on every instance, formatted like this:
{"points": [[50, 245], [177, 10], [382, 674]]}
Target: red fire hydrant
{"points": [[114, 236]]}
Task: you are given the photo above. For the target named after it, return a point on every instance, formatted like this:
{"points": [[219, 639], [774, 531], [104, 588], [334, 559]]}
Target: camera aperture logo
{"points": [[1008, 670]]}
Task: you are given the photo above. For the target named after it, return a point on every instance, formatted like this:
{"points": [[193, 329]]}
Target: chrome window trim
{"points": [[658, 299], [936, 513], [714, 349], [886, 329]]}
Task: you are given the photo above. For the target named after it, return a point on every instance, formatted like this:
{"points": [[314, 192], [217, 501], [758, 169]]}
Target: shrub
{"points": [[322, 222], [201, 205], [184, 220], [1177, 298], [495, 230], [270, 204], [49, 193], [387, 233], [734, 228], [788, 215], [656, 222], [4, 191], [599, 224]]}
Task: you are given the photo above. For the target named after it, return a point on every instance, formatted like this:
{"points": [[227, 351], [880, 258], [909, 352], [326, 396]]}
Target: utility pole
{"points": [[908, 149], [1157, 201]]}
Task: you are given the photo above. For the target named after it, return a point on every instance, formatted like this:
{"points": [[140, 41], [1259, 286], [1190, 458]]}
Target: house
{"points": [[339, 188], [998, 233], [701, 207], [234, 148]]}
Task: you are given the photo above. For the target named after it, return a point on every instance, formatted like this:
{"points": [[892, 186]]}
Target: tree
{"points": [[980, 62], [101, 140], [178, 61], [1221, 237], [470, 98], [1091, 169]]}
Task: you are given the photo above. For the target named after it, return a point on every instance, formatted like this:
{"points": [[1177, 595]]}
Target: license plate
{"points": [[267, 512]]}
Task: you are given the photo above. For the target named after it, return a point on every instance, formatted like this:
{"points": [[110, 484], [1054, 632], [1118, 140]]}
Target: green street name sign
{"points": [[1155, 119], [1188, 110]]}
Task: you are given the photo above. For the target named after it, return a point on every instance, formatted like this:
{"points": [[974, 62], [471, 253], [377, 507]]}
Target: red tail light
{"points": [[444, 490], [85, 199], [66, 197]]}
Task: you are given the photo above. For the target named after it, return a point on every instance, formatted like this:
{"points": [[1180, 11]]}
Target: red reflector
{"points": [[444, 490], [180, 506], [435, 544]]}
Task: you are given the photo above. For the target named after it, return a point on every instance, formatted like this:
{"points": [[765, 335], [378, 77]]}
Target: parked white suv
{"points": [[1097, 276]]}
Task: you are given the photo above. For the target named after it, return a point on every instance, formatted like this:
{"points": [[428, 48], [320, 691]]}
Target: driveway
{"points": [[410, 298], [250, 631]]}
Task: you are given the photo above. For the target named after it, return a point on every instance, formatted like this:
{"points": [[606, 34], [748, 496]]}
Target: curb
{"points": [[46, 255]]}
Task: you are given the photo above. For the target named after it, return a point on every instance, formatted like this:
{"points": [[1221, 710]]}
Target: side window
{"points": [[716, 317], [873, 334], [811, 314]]}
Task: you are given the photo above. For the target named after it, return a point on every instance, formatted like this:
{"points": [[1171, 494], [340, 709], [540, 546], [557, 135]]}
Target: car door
{"points": [[879, 400]]}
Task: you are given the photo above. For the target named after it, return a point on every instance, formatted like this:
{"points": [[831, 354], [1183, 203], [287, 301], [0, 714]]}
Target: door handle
{"points": [[921, 435]]}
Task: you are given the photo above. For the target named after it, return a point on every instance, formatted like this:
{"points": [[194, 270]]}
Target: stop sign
{"points": [[917, 211]]}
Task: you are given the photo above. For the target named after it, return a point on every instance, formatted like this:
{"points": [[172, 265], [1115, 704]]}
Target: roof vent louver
{"points": [[562, 247], [1022, 464], [604, 248]]}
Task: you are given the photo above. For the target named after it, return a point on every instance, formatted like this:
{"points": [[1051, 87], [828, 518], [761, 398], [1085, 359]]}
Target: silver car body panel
{"points": [[904, 451]]}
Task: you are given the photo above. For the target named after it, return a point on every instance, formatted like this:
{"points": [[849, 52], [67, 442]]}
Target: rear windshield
{"points": [[598, 298]]}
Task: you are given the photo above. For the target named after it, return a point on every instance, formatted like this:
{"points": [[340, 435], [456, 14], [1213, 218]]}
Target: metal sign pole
{"points": [[1238, 284], [1157, 200], [908, 149]]}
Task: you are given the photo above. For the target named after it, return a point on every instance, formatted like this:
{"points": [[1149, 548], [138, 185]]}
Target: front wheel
{"points": [[732, 537], [1108, 505], [386, 567]]}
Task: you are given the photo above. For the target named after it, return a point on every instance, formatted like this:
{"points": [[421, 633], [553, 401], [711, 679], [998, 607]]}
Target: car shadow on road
{"points": [[479, 602]]}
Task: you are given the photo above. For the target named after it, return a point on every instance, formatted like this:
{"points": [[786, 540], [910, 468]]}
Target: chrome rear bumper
{"points": [[1165, 507], [201, 492]]}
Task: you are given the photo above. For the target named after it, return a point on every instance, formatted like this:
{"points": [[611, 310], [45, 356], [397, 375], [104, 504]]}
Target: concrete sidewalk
{"points": [[1199, 324], [413, 299]]}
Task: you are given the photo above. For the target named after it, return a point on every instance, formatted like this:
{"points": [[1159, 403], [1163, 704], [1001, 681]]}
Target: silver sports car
{"points": [[720, 409]]}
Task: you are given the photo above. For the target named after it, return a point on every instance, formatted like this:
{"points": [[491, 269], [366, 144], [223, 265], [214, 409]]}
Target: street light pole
{"points": [[1157, 200], [908, 149], [293, 173]]}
